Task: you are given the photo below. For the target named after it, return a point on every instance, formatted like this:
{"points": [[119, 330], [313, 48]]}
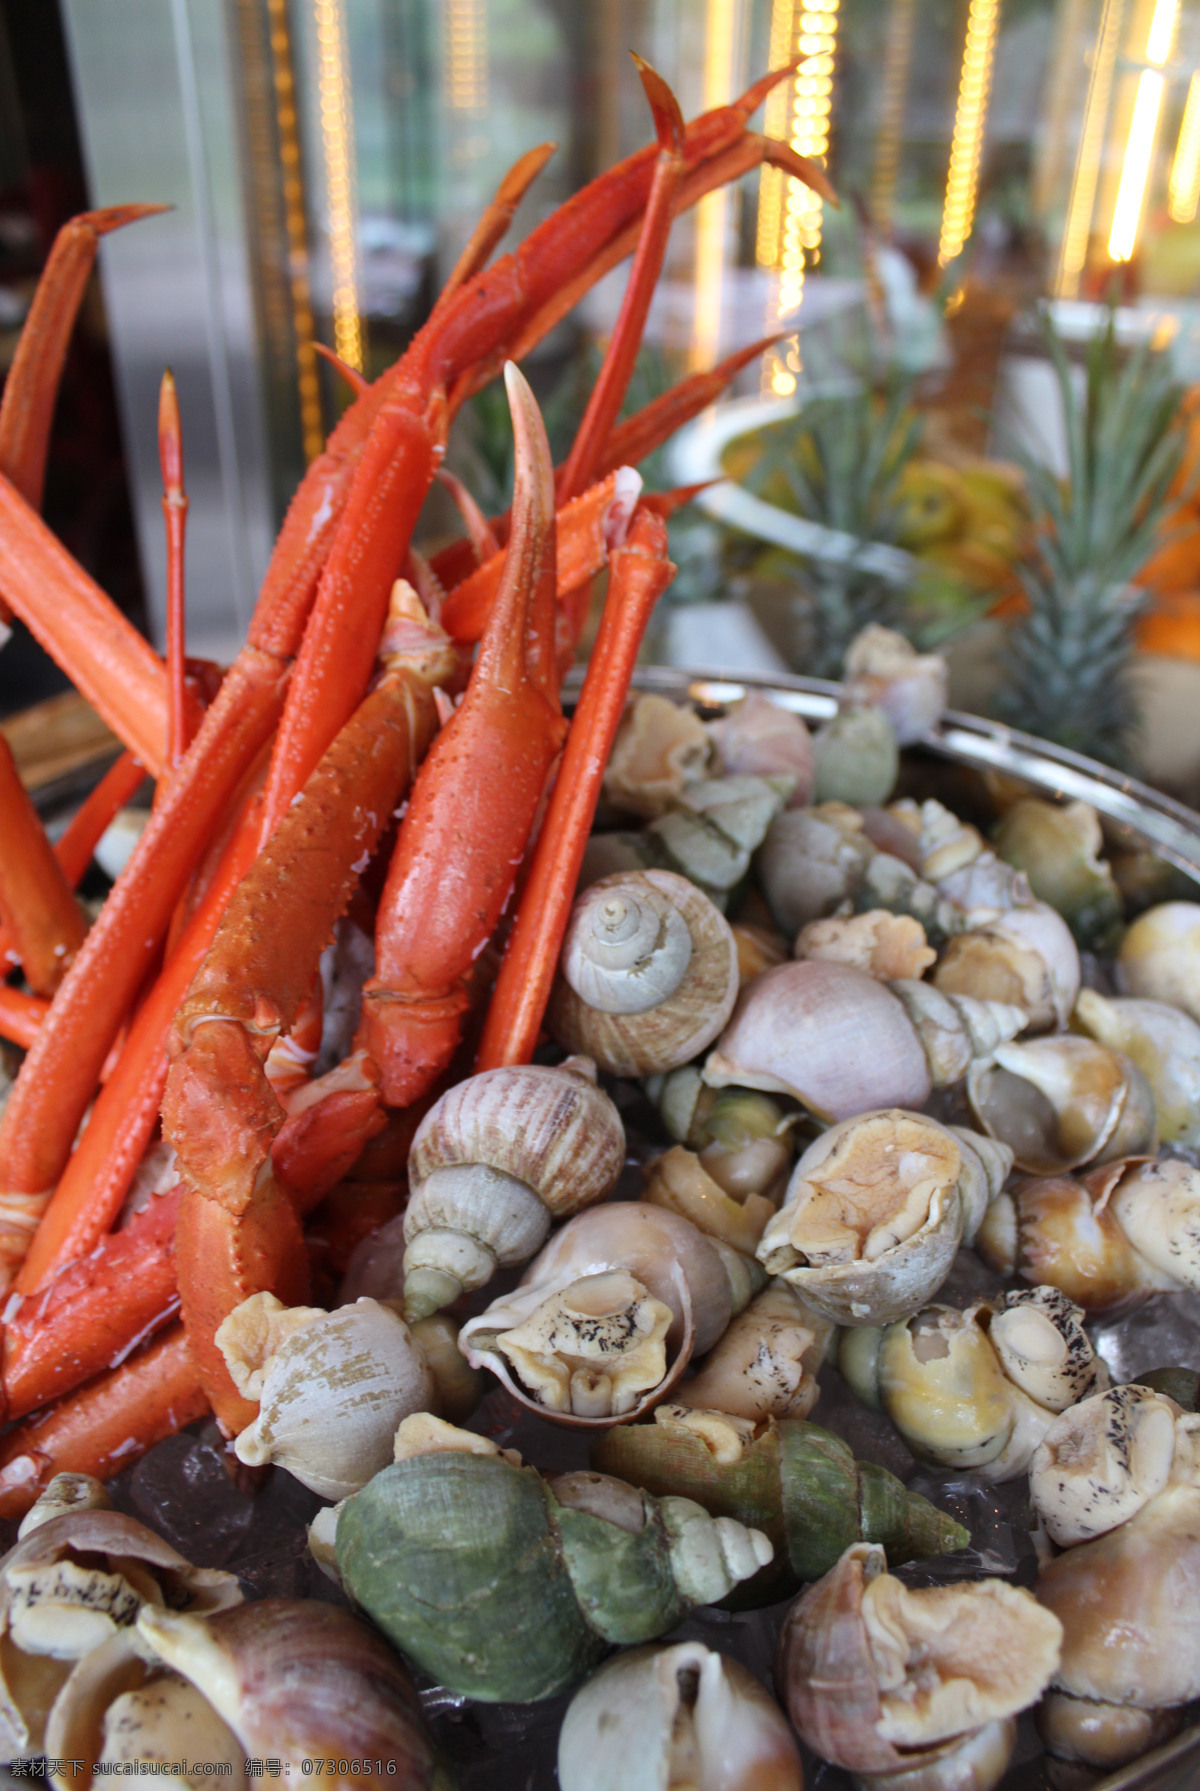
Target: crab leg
{"points": [[493, 225], [30, 390], [94, 1311], [475, 801], [641, 573], [238, 1232], [69, 615], [631, 441], [609, 389], [20, 1015], [104, 1427], [41, 916], [60, 1073], [175, 509]]}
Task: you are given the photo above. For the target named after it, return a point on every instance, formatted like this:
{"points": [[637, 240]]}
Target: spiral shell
{"points": [[757, 737], [885, 670], [956, 1030], [660, 747], [810, 861], [857, 756], [978, 1388], [663, 963], [1164, 1043], [872, 1219], [1026, 958], [877, 1674], [331, 1386], [883, 944], [1104, 1459], [492, 1162], [506, 1588], [656, 1718], [1062, 1102], [830, 1036], [608, 1316], [1058, 846], [1159, 957]]}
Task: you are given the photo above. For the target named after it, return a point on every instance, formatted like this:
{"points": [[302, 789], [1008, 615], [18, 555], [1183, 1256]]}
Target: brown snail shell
{"points": [[648, 974], [1062, 1102]]}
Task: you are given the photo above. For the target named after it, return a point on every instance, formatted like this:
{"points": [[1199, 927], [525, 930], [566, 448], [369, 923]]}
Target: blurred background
{"points": [[1002, 317]]}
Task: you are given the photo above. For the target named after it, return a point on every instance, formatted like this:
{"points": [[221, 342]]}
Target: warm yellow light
{"points": [[1183, 192], [970, 120], [1162, 31], [770, 181], [337, 136], [464, 68], [1135, 170], [891, 111], [783, 384], [1087, 163], [312, 428], [712, 212]]}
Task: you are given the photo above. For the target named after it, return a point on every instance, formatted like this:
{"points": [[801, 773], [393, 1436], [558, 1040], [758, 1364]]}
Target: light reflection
{"points": [[1143, 126], [337, 136], [1184, 188], [970, 122], [713, 210]]}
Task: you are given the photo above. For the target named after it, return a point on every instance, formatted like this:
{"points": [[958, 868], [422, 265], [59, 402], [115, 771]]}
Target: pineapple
{"points": [[842, 463], [1068, 672]]}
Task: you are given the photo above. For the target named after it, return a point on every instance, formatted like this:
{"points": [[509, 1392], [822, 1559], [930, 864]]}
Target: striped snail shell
{"points": [[648, 975], [492, 1162]]}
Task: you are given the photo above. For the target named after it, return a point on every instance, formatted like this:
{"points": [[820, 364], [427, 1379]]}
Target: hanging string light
{"points": [[970, 122], [896, 61], [1087, 163], [1183, 192], [337, 136], [1143, 130], [712, 213], [286, 123]]}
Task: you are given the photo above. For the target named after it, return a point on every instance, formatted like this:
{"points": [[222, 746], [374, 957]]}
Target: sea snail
{"points": [[492, 1162], [887, 1681], [648, 974], [507, 1587], [300, 1681], [74, 1582], [842, 1043], [875, 1212], [1164, 1043], [1111, 1237], [1062, 1102], [657, 1719], [333, 1386], [607, 1318], [1122, 1472], [793, 1480], [978, 1388]]}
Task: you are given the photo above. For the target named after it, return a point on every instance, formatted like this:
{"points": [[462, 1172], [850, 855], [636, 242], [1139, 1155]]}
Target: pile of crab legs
{"points": [[193, 993]]}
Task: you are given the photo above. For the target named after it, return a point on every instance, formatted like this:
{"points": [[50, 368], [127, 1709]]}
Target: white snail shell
{"points": [[872, 1219], [648, 1719], [1062, 1102], [1025, 957], [1160, 956], [830, 1036], [1165, 1045], [648, 974]]}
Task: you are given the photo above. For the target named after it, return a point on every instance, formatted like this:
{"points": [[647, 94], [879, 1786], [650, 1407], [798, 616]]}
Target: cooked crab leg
{"points": [[475, 801], [60, 1074], [493, 225], [31, 387], [104, 1427], [238, 1232], [175, 509], [609, 390], [641, 573], [41, 917]]}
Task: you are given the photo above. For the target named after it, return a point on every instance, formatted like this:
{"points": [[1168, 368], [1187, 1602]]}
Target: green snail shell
{"points": [[481, 1576], [798, 1483]]}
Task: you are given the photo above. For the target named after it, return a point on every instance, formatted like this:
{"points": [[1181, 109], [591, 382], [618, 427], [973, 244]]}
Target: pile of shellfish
{"points": [[859, 1130]]}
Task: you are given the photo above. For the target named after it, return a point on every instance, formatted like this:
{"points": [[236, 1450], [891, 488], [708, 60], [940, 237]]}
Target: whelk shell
{"points": [[657, 1719], [872, 1219]]}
